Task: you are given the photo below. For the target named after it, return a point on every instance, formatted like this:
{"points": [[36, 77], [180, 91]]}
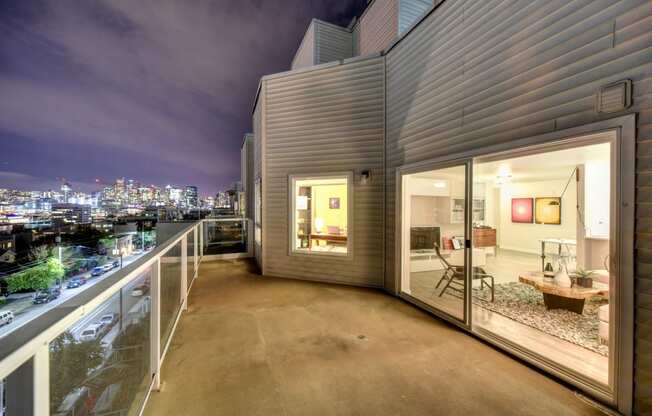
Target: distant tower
{"points": [[65, 188], [192, 200]]}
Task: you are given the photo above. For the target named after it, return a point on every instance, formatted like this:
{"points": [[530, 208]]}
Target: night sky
{"points": [[154, 90]]}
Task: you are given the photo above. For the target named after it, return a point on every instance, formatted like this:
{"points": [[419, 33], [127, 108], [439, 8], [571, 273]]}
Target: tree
{"points": [[37, 277], [71, 362], [40, 253], [106, 245]]}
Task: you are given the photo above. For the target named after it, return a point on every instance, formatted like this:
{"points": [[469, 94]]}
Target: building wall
{"points": [[305, 55], [409, 11], [258, 171], [247, 175], [478, 73], [355, 37], [324, 121], [332, 42], [378, 26]]}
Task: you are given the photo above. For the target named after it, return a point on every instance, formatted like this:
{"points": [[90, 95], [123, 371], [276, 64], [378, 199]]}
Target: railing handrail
{"points": [[226, 219], [23, 343]]}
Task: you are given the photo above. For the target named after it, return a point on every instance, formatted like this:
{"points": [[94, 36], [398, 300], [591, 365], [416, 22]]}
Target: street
{"points": [[34, 311]]}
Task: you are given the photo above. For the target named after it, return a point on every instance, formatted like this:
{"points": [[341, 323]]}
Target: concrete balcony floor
{"points": [[252, 345]]}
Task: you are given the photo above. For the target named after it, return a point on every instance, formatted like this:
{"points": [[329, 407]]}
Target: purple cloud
{"points": [[162, 90]]}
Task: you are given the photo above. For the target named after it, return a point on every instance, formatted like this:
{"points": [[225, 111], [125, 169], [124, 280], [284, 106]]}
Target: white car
{"points": [[139, 290], [6, 318], [108, 319], [91, 332]]}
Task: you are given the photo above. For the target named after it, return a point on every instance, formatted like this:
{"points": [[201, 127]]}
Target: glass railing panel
{"points": [[190, 256], [101, 364], [170, 290], [225, 237]]}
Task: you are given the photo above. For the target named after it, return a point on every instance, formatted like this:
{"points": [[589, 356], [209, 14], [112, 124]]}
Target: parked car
{"points": [[76, 282], [139, 290], [108, 319], [6, 318], [115, 264], [97, 271], [107, 267], [91, 332], [46, 295]]}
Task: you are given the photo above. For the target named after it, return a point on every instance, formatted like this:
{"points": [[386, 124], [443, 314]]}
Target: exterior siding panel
{"points": [[474, 74], [378, 26], [305, 55], [258, 167], [409, 11], [333, 43], [247, 175], [319, 122]]}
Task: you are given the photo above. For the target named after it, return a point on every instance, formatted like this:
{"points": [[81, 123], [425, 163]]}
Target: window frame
{"points": [[292, 180]]}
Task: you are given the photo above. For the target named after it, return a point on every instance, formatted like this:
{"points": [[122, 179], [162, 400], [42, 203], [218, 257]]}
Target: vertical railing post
{"points": [[201, 238], [195, 252], [155, 328], [184, 272], [41, 379]]}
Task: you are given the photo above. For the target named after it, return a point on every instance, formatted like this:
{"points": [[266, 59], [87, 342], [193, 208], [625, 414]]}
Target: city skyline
{"points": [[112, 89], [99, 184]]}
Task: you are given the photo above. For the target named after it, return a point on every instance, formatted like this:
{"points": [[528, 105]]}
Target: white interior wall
{"points": [[525, 237]]}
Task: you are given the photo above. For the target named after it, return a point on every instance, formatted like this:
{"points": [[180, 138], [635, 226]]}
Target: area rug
{"points": [[524, 304]]}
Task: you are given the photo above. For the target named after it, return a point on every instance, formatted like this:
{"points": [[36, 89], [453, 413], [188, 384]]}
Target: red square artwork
{"points": [[522, 210]]}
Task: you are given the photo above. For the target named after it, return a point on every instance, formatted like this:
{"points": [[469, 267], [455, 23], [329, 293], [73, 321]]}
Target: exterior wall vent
{"points": [[614, 97]]}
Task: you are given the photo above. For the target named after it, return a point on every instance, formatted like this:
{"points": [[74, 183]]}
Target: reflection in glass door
{"points": [[434, 228]]}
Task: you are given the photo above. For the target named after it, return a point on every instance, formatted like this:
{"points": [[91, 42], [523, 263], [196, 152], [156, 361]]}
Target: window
{"points": [[320, 214]]}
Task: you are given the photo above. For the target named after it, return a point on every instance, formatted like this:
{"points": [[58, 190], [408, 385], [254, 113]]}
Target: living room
{"points": [[540, 234]]}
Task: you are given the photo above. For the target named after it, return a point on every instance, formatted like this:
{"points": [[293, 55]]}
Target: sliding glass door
{"points": [[543, 233], [435, 238]]}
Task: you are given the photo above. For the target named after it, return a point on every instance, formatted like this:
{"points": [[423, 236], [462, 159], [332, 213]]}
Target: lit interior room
{"points": [[540, 250], [321, 215]]}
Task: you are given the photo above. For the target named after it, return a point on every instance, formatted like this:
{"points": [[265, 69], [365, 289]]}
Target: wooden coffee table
{"points": [[557, 297]]}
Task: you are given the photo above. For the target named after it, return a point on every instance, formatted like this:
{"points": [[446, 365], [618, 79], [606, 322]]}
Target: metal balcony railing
{"points": [[100, 352]]}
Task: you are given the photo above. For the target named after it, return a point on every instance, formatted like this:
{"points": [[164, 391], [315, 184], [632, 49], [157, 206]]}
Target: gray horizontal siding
{"points": [[317, 122], [305, 55], [409, 11], [479, 73], [378, 26], [248, 173], [355, 36], [258, 164], [333, 43]]}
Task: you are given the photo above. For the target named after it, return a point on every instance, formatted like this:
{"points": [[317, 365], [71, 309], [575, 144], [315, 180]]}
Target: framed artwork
{"points": [[522, 209], [547, 210], [334, 203]]}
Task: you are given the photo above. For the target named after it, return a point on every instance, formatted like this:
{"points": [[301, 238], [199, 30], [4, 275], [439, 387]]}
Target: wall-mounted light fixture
{"points": [[365, 177]]}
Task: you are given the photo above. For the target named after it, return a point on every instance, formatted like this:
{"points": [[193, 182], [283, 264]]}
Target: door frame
{"points": [[622, 372], [401, 172]]}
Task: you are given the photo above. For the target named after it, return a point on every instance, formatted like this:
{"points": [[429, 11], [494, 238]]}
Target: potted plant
{"points": [[583, 278]]}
